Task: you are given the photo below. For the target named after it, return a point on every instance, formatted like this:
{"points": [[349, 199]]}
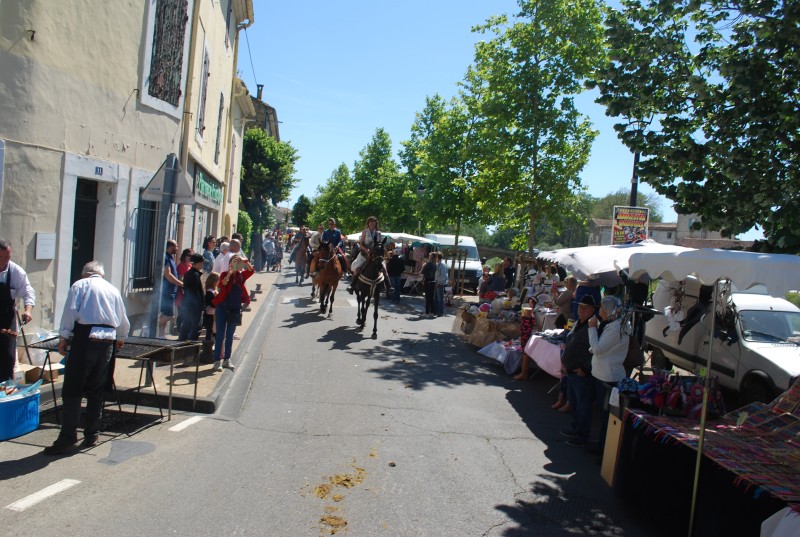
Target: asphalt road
{"points": [[324, 430]]}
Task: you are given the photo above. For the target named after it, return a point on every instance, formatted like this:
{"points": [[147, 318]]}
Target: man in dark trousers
{"points": [[14, 284], [577, 363], [193, 300], [95, 318]]}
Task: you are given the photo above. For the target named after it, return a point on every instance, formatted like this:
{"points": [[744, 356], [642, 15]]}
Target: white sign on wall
{"points": [[45, 246]]}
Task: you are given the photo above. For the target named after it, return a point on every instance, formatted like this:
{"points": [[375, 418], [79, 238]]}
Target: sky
{"points": [[337, 71]]}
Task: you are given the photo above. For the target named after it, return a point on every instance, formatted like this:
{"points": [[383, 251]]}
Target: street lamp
{"points": [[420, 192]]}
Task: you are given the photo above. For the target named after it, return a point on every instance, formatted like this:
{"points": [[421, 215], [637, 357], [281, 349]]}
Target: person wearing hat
{"points": [[576, 361], [609, 346], [589, 286], [193, 299]]}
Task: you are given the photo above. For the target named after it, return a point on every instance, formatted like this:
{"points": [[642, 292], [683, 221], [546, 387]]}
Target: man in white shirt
{"points": [[95, 318], [223, 259], [441, 283], [14, 284]]}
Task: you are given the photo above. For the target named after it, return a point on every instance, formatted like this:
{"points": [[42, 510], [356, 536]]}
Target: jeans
{"points": [[438, 299], [397, 283], [226, 326], [581, 393], [87, 374]]}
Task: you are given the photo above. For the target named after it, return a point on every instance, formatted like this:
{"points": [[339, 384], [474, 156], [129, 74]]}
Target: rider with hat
{"points": [[369, 237]]}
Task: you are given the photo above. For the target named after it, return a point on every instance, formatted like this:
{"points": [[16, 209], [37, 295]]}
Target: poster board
{"points": [[629, 224]]}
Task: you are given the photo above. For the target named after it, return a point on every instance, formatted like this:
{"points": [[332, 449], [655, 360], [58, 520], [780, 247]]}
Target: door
{"points": [[83, 227]]}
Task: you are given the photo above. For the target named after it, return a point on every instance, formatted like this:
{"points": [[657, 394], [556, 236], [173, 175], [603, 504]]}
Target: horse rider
{"points": [[333, 236], [369, 237]]}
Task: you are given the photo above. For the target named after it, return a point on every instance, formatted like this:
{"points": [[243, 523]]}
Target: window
{"points": [[166, 61], [669, 234], [201, 110], [145, 222], [219, 127], [228, 18]]}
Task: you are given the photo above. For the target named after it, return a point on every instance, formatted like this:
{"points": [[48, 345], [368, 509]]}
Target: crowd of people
{"points": [[595, 336]]}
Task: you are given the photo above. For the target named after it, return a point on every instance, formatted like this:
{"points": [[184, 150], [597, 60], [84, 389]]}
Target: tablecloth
{"points": [[546, 355]]}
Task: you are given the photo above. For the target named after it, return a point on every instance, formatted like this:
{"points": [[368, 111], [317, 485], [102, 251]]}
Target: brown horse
{"points": [[329, 272], [301, 257], [369, 285]]}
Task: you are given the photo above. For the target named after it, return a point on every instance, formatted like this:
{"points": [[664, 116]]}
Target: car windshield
{"points": [[472, 252], [771, 326]]}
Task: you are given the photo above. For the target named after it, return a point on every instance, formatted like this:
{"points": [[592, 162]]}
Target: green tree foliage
{"points": [[522, 83], [268, 168], [244, 225], [301, 211], [439, 157], [720, 78], [604, 207], [333, 199]]}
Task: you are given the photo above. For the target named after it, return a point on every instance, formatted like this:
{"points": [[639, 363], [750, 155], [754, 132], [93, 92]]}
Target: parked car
{"points": [[756, 350], [472, 267]]}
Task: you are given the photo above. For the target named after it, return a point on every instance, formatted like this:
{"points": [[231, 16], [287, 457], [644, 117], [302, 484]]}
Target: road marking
{"points": [[43, 494], [186, 423]]}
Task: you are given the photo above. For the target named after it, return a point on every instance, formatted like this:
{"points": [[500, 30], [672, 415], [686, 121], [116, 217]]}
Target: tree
{"points": [[333, 198], [522, 83], [604, 207], [379, 187], [439, 157], [301, 211], [267, 175], [721, 79]]}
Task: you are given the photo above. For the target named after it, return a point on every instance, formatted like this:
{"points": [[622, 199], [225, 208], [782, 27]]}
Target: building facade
{"points": [[93, 99]]}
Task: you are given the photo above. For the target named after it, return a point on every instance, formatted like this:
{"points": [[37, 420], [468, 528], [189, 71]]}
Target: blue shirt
{"points": [[169, 289], [332, 236]]}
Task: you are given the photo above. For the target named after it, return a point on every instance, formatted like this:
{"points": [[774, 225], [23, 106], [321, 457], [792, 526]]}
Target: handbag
{"points": [[635, 356]]}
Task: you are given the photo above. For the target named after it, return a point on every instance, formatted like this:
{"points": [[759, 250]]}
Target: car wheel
{"points": [[756, 390], [658, 360]]}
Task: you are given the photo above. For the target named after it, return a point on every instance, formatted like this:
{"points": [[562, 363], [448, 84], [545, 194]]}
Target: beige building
{"points": [[94, 96]]}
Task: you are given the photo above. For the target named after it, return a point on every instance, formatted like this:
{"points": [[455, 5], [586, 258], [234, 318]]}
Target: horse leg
{"points": [[330, 303], [375, 313]]}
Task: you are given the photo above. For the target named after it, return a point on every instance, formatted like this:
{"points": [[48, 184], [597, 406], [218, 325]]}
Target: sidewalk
{"points": [[126, 373]]}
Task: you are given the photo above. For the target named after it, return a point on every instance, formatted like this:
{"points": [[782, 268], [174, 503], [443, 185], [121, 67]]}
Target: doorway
{"points": [[83, 228]]}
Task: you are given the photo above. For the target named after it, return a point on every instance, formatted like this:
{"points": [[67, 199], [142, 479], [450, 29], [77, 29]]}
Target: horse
{"points": [[329, 272], [369, 285], [301, 256]]}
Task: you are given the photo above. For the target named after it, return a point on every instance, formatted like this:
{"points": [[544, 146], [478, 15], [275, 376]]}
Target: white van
{"points": [[757, 348], [473, 268]]}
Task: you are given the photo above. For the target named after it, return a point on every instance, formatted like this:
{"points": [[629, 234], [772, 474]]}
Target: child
{"points": [[526, 325], [208, 316]]}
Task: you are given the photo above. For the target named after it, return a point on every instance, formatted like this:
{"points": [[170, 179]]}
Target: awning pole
{"points": [[704, 411]]}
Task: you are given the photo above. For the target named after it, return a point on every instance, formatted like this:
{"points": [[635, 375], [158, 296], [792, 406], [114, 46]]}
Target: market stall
{"points": [[779, 273]]}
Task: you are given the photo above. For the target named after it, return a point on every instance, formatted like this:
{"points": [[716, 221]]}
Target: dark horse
{"points": [[329, 272], [301, 258], [369, 285]]}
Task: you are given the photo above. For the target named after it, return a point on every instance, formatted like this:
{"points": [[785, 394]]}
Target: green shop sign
{"points": [[207, 189]]}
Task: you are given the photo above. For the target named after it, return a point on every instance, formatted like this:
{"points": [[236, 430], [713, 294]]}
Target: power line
{"points": [[250, 54]]}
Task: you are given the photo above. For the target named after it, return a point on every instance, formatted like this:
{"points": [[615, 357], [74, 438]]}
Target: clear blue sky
{"points": [[337, 71]]}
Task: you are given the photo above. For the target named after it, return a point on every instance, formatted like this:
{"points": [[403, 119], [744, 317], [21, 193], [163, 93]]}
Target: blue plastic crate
{"points": [[19, 416]]}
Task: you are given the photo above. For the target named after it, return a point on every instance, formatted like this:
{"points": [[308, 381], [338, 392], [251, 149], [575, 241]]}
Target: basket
{"points": [[19, 416]]}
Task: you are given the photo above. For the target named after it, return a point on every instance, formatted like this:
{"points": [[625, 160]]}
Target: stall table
{"points": [[748, 472], [547, 355], [148, 351]]}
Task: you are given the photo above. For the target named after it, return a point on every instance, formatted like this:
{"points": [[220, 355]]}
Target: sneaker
{"points": [[569, 433], [227, 365], [60, 446], [217, 366], [577, 442], [89, 440]]}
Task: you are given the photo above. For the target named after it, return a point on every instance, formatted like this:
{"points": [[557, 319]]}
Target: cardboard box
{"points": [[32, 372]]}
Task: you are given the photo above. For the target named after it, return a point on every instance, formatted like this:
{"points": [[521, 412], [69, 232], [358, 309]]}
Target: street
{"points": [[324, 431]]}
